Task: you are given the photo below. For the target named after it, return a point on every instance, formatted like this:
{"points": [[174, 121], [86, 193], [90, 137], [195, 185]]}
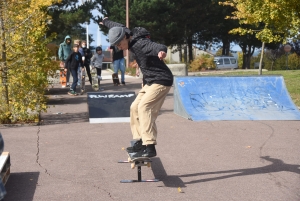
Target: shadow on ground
{"points": [[21, 186], [175, 181]]}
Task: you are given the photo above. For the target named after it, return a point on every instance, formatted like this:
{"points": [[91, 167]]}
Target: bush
{"points": [[204, 61]]}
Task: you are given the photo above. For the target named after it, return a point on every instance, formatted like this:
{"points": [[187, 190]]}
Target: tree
{"points": [[218, 27], [25, 62], [273, 53], [280, 19], [172, 22], [67, 19], [154, 15]]}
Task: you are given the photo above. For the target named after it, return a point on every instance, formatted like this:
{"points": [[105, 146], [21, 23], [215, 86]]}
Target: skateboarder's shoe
{"points": [[137, 146], [149, 152], [123, 83], [68, 85], [99, 77], [72, 93]]}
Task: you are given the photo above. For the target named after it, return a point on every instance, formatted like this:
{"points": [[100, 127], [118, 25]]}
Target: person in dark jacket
{"points": [[158, 81], [87, 61], [72, 64]]}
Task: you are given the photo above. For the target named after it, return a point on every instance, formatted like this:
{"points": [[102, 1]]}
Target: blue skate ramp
{"points": [[233, 98]]}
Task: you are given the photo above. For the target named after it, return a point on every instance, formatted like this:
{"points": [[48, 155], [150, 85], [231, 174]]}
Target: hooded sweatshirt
{"points": [[65, 49], [97, 60], [154, 70]]}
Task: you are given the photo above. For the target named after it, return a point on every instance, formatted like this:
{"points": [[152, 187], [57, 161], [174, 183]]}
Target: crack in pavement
{"points": [[46, 171]]}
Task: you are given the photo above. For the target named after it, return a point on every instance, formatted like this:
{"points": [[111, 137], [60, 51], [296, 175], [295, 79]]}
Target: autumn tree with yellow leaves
{"points": [[269, 20], [25, 61], [280, 18]]}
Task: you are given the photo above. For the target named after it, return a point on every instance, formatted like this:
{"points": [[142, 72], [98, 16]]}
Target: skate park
{"points": [[68, 158]]}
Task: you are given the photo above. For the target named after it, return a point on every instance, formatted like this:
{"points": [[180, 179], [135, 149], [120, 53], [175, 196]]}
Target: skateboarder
{"points": [[159, 79], [65, 49], [96, 62], [72, 64]]}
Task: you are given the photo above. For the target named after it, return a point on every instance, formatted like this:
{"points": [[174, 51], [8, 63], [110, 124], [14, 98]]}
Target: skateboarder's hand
{"points": [[162, 55], [103, 20]]}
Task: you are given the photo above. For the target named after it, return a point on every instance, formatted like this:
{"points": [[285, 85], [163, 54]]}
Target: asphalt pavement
{"points": [[67, 158]]}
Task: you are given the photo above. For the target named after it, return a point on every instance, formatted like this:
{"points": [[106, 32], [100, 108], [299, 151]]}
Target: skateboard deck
{"points": [[95, 84], [115, 78], [138, 162], [82, 77], [63, 77]]}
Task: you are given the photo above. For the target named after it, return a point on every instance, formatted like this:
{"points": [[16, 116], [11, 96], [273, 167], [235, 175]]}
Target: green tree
{"points": [[68, 18], [154, 15]]}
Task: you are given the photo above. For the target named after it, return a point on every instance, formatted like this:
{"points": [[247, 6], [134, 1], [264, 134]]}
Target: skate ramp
{"points": [[233, 98]]}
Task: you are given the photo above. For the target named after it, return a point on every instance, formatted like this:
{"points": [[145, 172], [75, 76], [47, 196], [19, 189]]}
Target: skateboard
{"points": [[137, 162], [140, 161], [95, 84], [63, 77], [82, 76], [115, 78]]}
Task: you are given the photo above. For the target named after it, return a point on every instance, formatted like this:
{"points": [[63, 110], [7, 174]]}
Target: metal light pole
{"points": [[127, 25], [87, 27]]}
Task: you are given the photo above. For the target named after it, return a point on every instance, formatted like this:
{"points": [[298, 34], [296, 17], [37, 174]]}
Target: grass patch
{"points": [[291, 78]]}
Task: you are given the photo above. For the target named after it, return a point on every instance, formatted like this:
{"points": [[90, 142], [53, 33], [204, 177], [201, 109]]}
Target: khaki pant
{"points": [[144, 111]]}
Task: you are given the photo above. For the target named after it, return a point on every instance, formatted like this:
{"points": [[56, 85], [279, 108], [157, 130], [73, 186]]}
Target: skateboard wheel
{"points": [[132, 165], [129, 159]]}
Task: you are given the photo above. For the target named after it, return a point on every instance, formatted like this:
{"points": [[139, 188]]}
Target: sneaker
{"points": [[123, 83], [72, 93], [68, 85], [137, 146], [82, 91], [149, 152], [99, 78]]}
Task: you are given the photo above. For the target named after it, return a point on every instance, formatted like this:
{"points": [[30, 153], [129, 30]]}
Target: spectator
{"points": [[96, 62], [64, 51], [88, 55], [72, 64], [118, 62]]}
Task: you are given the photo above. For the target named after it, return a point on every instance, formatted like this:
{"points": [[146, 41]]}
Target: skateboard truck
{"points": [[139, 164]]}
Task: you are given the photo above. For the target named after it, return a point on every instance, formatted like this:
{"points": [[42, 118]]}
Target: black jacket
{"points": [[146, 55], [74, 60], [88, 55]]}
